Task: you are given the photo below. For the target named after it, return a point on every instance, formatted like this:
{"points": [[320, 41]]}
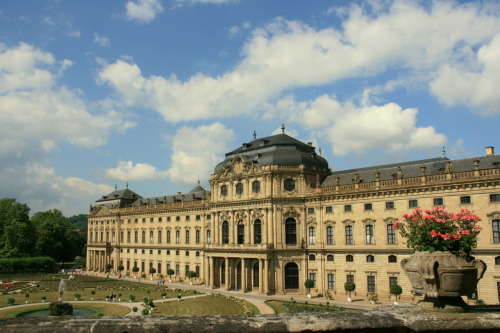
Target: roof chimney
{"points": [[490, 151]]}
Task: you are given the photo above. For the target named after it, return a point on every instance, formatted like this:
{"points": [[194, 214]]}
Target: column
{"points": [[243, 274], [227, 274], [211, 270], [261, 275], [266, 276]]}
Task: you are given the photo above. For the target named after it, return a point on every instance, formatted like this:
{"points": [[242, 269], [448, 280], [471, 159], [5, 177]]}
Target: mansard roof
{"points": [[197, 193], [433, 166], [120, 194], [279, 149]]}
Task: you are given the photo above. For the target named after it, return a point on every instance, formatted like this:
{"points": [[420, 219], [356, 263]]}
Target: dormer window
{"points": [[223, 190], [289, 184], [239, 189]]}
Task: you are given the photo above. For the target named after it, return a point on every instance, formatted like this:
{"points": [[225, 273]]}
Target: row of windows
{"points": [[104, 237], [177, 272], [350, 258], [168, 219], [288, 185], [167, 252], [411, 204]]}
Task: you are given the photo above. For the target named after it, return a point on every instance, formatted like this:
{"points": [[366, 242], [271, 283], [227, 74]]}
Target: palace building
{"points": [[276, 215]]}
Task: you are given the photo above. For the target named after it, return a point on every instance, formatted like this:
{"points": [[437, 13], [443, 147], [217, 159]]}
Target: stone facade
{"points": [[273, 219]]}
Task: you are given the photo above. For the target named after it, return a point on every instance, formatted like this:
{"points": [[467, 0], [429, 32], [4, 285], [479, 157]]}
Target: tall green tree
{"points": [[17, 232]]}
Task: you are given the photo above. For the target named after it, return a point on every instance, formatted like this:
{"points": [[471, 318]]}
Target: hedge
{"points": [[31, 264]]}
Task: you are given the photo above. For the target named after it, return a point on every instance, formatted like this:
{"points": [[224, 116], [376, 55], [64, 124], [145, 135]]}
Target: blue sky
{"points": [[153, 93]]}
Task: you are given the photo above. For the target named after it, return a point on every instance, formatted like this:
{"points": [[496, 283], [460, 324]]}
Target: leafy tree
{"points": [[17, 233], [152, 271], [309, 284], [78, 221], [191, 275], [170, 272], [349, 287], [396, 290]]}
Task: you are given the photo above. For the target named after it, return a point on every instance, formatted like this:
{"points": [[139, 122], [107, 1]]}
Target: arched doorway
{"points": [[291, 276]]}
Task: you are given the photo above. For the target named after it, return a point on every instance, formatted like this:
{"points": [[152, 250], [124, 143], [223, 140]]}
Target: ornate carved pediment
{"points": [[494, 215], [311, 220], [390, 220], [348, 222], [224, 216], [329, 222], [290, 212], [240, 215], [257, 214], [368, 221], [238, 167]]}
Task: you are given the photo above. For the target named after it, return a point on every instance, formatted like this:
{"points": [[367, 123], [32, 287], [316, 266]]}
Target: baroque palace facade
{"points": [[276, 215]]}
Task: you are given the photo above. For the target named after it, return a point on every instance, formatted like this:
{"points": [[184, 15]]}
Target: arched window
{"points": [[290, 231], [187, 255], [197, 236], [257, 232], [177, 237], [291, 276], [241, 234], [168, 236], [289, 184], [369, 234], [329, 257], [348, 234], [370, 258], [223, 190], [312, 257], [392, 258], [256, 186], [239, 188], [225, 232], [197, 253], [168, 252], [187, 237], [329, 235], [349, 258]]}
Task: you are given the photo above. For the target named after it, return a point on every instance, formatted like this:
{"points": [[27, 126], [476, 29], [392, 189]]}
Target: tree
{"points": [[152, 271], [191, 275], [108, 269], [51, 240], [170, 272], [309, 284], [349, 287], [17, 233], [396, 290], [135, 269]]}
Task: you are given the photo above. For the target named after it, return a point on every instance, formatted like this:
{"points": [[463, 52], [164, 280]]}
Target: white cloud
{"points": [[477, 89], [101, 40], [288, 54], [38, 118], [75, 33], [215, 2], [143, 10], [127, 171], [196, 151]]}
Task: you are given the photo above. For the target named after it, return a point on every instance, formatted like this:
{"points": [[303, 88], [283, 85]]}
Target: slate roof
{"points": [[120, 194], [197, 193], [279, 149], [434, 166]]}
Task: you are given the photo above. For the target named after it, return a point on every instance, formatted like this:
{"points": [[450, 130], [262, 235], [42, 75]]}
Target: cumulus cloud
{"points": [[194, 2], [38, 117], [286, 55], [143, 11], [101, 40], [128, 171], [196, 151]]}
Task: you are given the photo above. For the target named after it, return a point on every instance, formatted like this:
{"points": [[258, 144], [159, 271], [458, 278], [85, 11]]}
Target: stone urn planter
{"points": [[443, 277]]}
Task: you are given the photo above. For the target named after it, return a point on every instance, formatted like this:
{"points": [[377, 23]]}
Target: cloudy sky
{"points": [[96, 93]]}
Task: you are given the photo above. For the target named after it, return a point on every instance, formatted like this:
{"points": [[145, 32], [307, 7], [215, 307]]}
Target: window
{"points": [[310, 210], [369, 234], [289, 184], [389, 205], [186, 253], [209, 217], [223, 190], [177, 237], [177, 270], [209, 237], [168, 218], [241, 234], [350, 278], [225, 232], [256, 187], [143, 237], [496, 231], [159, 219], [312, 235], [136, 237], [290, 231], [177, 252], [413, 203], [348, 234], [197, 253], [497, 260], [257, 232], [465, 200], [494, 197], [348, 208], [349, 258], [392, 258], [368, 206], [128, 236], [239, 188], [393, 280], [391, 234], [187, 218], [159, 236], [331, 281], [312, 257], [370, 258], [328, 209], [370, 281], [329, 257], [312, 277], [438, 201], [198, 217], [151, 237], [151, 220], [168, 236], [187, 237], [177, 218], [291, 276], [197, 236], [329, 235]]}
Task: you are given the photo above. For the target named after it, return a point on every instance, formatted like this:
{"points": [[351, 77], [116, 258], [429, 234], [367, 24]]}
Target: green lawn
{"points": [[104, 309], [297, 307], [206, 305]]}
